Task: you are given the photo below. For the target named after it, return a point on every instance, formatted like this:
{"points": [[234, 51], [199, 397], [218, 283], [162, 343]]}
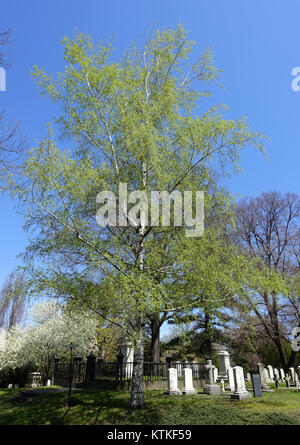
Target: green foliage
{"points": [[15, 376], [131, 121]]}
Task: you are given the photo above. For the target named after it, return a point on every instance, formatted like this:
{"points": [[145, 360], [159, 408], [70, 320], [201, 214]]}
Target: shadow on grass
{"points": [[95, 407]]}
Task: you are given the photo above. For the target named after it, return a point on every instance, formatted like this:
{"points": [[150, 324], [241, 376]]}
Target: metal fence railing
{"points": [[120, 371]]}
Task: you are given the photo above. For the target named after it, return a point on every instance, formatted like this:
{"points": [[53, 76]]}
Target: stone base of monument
{"points": [[266, 388], [188, 391], [212, 390], [241, 396], [175, 392]]}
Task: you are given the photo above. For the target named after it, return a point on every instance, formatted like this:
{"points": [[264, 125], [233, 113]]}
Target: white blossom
{"points": [[48, 335]]}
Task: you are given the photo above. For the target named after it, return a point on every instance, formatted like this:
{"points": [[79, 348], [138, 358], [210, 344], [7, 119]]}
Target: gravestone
{"points": [[262, 375], [16, 386], [188, 387], [48, 382], [256, 384], [10, 386], [173, 389], [215, 374], [127, 350], [224, 364], [267, 377], [222, 386], [34, 379], [276, 374], [292, 374], [230, 376], [240, 391], [212, 389], [271, 373], [282, 374]]}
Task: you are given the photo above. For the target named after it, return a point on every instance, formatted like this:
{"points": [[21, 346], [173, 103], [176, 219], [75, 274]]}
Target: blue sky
{"points": [[256, 42]]}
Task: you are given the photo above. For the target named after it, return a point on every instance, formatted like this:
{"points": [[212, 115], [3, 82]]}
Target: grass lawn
{"points": [[90, 407]]}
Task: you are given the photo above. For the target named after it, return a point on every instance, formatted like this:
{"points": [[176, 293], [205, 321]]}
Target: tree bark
{"points": [[155, 340], [137, 382], [281, 353]]}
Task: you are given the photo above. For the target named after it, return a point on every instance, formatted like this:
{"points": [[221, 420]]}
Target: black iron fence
{"points": [[97, 370]]}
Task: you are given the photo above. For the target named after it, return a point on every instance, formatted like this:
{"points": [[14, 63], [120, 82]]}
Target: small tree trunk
{"points": [[208, 333], [281, 353], [137, 382], [155, 341]]}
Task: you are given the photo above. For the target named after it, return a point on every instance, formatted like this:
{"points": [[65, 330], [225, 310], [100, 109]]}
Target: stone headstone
{"points": [[240, 391], [230, 377], [212, 389], [262, 376], [10, 386], [276, 374], [127, 350], [34, 379], [215, 374], [282, 374], [267, 377], [188, 387], [271, 373], [17, 386], [248, 377], [173, 389], [48, 382], [256, 384], [292, 374]]}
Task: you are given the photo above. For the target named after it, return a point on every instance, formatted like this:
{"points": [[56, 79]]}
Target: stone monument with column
{"points": [[127, 350], [224, 364]]}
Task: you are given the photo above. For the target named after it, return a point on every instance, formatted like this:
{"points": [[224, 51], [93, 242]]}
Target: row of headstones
{"points": [[271, 375], [236, 382], [267, 375], [35, 380]]}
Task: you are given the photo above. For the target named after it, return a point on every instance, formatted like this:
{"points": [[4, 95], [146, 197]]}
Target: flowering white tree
{"points": [[51, 330]]}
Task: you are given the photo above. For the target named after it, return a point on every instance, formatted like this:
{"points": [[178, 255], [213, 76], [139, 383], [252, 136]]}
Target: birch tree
{"points": [[132, 121]]}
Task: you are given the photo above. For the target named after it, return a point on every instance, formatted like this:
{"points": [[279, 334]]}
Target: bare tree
{"points": [[12, 301], [268, 228], [12, 144], [4, 40]]}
